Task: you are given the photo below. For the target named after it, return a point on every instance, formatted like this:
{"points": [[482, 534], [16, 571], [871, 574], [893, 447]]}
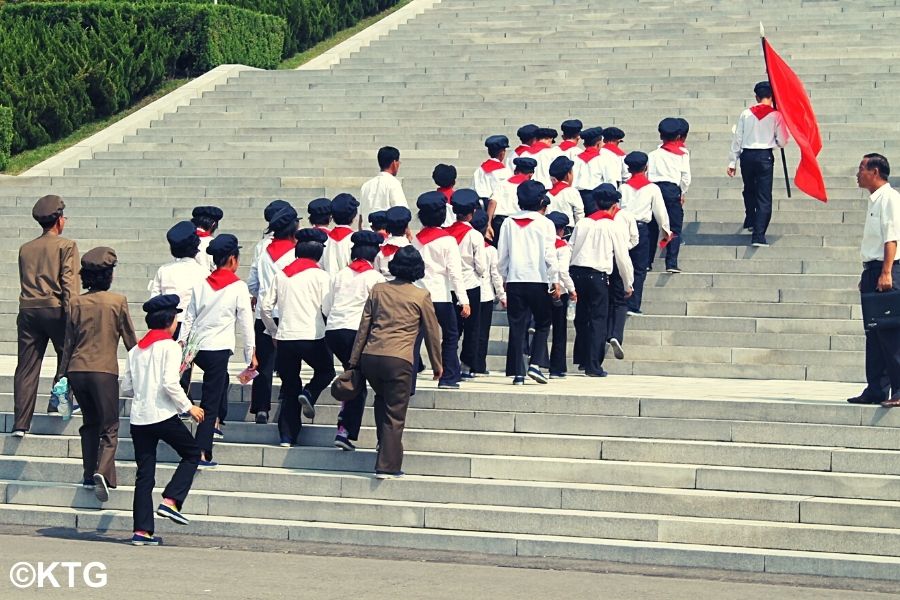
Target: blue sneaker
{"points": [[535, 373], [518, 380], [467, 376], [559, 375], [309, 408], [145, 540], [207, 464], [218, 434], [76, 409], [344, 443], [164, 510]]}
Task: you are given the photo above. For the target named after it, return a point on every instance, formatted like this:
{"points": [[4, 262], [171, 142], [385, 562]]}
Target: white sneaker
{"points": [[618, 352], [18, 433]]}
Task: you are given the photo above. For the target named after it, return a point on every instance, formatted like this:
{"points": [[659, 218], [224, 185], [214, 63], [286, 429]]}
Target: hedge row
{"points": [[6, 135], [63, 64]]}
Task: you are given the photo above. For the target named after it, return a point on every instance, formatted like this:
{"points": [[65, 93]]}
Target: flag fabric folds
{"points": [[795, 107]]}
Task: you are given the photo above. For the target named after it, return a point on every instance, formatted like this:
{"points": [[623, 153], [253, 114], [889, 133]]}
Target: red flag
{"points": [[795, 107]]}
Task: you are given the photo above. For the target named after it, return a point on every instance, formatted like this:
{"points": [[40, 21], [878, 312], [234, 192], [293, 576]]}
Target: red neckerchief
{"points": [[322, 228], [522, 222], [760, 111], [674, 148], [389, 250], [487, 244], [522, 149], [614, 148], [221, 278], [538, 147], [561, 243], [279, 248], [447, 192], [458, 230], [517, 179], [590, 154], [558, 187], [203, 233], [429, 234], [300, 265], [360, 266], [637, 181], [567, 145], [153, 336], [491, 165], [340, 232], [601, 215]]}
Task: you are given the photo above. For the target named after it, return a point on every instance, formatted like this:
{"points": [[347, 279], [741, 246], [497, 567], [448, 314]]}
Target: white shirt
{"points": [[491, 282], [443, 265], [203, 259], [178, 277], [612, 166], [471, 252], [671, 167], [588, 170], [266, 270], [528, 251], [544, 155], [882, 222], [597, 243], [564, 256], [570, 149], [380, 193], [337, 249], [386, 254], [343, 306], [506, 196], [645, 203], [519, 152], [488, 176], [258, 249], [566, 199], [757, 134], [299, 298], [211, 316], [629, 226], [152, 376]]}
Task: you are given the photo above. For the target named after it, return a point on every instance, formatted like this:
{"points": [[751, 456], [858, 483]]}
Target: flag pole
{"points": [[762, 37]]}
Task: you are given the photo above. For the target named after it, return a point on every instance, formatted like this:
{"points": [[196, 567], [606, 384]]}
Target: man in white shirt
{"points": [[384, 190], [151, 375], [505, 200], [492, 171], [526, 135], [217, 305], [644, 200], [397, 220], [563, 197], [588, 168], [759, 129], [669, 167], [206, 220], [544, 152], [597, 244], [298, 293], [529, 266], [881, 273], [344, 211], [571, 134]]}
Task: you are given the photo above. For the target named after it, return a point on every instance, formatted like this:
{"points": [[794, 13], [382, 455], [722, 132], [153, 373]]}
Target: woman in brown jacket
{"points": [[97, 320], [395, 313]]}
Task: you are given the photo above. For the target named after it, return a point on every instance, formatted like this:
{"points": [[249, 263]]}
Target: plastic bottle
{"points": [[570, 312], [60, 394]]}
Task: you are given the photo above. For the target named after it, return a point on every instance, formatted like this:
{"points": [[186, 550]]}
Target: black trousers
{"points": [[98, 396], [671, 194], [559, 338], [485, 318], [145, 439], [289, 356], [524, 301], [639, 256], [261, 392], [617, 311], [496, 224], [591, 313], [340, 341], [470, 329], [35, 327], [882, 346], [391, 379], [186, 376], [757, 171], [214, 393]]}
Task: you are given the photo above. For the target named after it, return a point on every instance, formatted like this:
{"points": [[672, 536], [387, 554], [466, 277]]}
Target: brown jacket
{"points": [[96, 321], [48, 272], [392, 318]]}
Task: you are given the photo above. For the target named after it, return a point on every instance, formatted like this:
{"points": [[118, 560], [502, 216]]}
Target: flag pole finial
{"points": [[762, 31]]}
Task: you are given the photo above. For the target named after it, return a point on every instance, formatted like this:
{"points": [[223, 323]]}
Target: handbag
{"points": [[881, 310], [348, 385]]}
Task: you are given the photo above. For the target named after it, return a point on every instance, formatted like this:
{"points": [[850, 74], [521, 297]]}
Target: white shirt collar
{"points": [[877, 193]]}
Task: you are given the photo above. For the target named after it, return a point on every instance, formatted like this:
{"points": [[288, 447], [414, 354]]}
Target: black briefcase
{"points": [[881, 310]]}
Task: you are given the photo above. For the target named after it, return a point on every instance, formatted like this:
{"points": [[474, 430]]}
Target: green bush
{"points": [[63, 64], [6, 135]]}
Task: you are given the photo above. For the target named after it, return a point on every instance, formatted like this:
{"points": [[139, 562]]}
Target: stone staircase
{"points": [[695, 475]]}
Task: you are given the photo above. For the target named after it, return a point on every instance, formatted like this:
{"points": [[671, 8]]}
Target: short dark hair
{"points": [[433, 218], [386, 156], [605, 202], [407, 270], [185, 251], [398, 229], [763, 89], [97, 280], [160, 319], [320, 219], [313, 250], [206, 223], [494, 151], [366, 252], [878, 161], [221, 260], [50, 220], [345, 218], [287, 232]]}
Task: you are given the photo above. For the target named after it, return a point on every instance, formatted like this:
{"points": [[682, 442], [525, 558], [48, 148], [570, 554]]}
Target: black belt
{"points": [[746, 150], [588, 270], [872, 264]]}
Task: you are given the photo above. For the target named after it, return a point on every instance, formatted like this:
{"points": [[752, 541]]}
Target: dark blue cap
{"points": [[222, 245], [571, 127], [590, 203], [559, 219], [560, 167], [683, 127], [366, 238], [163, 302], [546, 133], [397, 216], [669, 127], [531, 195], [213, 212], [607, 192], [479, 220], [377, 219], [311, 234], [527, 132], [272, 209], [496, 142], [636, 161], [344, 206], [613, 134], [283, 218], [525, 164], [465, 201], [432, 201], [182, 234], [592, 135], [319, 207]]}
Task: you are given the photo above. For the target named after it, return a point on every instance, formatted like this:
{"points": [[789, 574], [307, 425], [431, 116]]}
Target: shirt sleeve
{"points": [[189, 315], [890, 218], [126, 327], [623, 261], [362, 334], [171, 385], [69, 275], [155, 287], [68, 345], [429, 324], [782, 135], [479, 255], [267, 308], [565, 256], [398, 198], [550, 252], [577, 207], [454, 268], [245, 324], [658, 206], [328, 302], [737, 142], [127, 382], [685, 173], [503, 253], [496, 280], [253, 278]]}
